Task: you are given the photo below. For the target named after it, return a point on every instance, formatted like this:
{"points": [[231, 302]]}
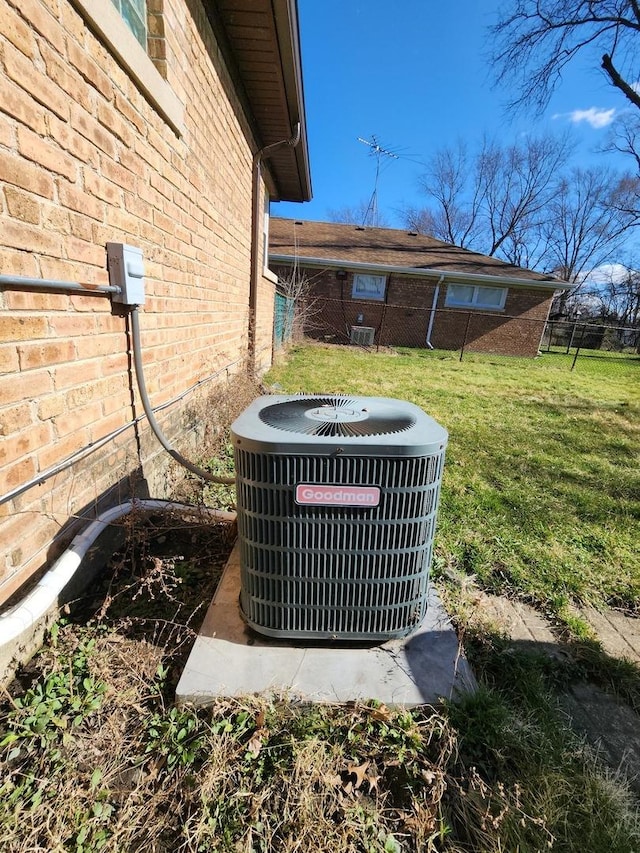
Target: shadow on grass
{"points": [[573, 684]]}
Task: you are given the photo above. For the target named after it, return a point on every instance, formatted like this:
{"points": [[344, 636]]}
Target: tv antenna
{"points": [[377, 151]]}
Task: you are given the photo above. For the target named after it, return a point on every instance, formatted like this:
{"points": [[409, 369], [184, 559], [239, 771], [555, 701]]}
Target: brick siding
{"points": [[85, 159], [403, 318]]}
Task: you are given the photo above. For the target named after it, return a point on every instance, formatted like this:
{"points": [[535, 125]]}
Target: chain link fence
{"points": [[467, 334], [283, 320]]}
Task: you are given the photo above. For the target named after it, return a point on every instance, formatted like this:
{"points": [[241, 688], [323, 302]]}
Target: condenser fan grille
{"points": [[336, 416]]}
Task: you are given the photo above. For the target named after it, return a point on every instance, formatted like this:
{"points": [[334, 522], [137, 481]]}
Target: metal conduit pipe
{"points": [[44, 596], [148, 410], [17, 282]]}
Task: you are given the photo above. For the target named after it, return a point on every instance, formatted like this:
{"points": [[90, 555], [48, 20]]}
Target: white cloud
{"points": [[595, 117], [615, 273]]}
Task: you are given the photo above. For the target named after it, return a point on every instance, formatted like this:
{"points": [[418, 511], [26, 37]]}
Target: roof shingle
{"points": [[386, 247]]}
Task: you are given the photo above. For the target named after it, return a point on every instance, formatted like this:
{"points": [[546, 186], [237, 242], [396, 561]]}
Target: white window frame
{"points": [[476, 297], [369, 286], [266, 219], [105, 20]]}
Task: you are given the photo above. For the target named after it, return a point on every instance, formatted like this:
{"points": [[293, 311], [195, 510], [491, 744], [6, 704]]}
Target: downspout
{"points": [[256, 170], [432, 313]]}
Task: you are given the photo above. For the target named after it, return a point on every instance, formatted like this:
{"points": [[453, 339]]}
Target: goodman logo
{"points": [[319, 495]]}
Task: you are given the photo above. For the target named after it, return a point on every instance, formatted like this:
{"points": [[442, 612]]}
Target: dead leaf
{"points": [[382, 714], [373, 779], [255, 744], [358, 772], [260, 719]]}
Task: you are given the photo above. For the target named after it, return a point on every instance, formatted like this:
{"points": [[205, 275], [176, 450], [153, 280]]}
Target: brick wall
{"points": [[85, 159], [403, 318], [517, 330]]}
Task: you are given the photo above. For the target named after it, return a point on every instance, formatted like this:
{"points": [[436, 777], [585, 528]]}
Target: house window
{"points": [[134, 14], [474, 296], [135, 36], [368, 286]]}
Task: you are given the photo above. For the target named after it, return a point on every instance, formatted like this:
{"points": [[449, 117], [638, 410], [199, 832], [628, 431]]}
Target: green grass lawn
{"points": [[541, 491]]}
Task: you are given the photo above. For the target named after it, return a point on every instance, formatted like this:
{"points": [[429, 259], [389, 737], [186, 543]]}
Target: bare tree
{"points": [[620, 297], [519, 185], [626, 139], [491, 201], [536, 39], [297, 287], [586, 222], [626, 136], [455, 217], [358, 214]]}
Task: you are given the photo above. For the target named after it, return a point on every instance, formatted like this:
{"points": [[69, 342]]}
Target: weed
{"points": [[54, 705], [175, 736], [216, 494]]}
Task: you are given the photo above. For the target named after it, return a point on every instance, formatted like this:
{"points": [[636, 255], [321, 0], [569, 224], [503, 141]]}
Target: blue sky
{"points": [[415, 74]]}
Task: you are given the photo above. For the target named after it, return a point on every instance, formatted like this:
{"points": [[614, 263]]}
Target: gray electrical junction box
{"points": [[126, 271]]}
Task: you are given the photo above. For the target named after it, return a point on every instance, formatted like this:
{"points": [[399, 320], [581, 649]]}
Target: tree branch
{"points": [[613, 74]]}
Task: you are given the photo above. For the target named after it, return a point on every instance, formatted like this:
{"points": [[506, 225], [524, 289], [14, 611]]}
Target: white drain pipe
{"points": [[432, 313], [44, 596]]}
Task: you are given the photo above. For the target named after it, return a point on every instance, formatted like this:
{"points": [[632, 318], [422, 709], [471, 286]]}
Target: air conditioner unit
{"points": [[363, 336], [336, 500]]}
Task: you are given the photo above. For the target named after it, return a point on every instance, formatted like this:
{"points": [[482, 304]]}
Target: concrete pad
{"points": [[521, 622], [229, 659], [609, 725], [618, 633]]}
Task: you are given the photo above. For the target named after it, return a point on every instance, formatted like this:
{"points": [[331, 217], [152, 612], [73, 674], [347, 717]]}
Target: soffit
{"points": [[263, 39]]}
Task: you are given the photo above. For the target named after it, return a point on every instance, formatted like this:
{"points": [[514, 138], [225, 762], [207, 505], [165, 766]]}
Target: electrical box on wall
{"points": [[126, 271]]}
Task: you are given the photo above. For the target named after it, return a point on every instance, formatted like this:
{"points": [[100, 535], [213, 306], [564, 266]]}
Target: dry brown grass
{"points": [[245, 776]]}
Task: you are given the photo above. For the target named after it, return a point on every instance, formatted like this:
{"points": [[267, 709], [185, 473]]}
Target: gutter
{"points": [[285, 14], [423, 272]]}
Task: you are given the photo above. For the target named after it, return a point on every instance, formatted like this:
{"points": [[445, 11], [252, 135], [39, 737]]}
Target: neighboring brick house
{"points": [[150, 133], [393, 287]]}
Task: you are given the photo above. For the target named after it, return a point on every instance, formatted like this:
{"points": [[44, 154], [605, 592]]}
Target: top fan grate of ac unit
{"points": [[336, 416]]}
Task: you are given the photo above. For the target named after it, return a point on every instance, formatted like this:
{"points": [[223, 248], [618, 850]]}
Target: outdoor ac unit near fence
{"points": [[336, 500], [363, 336]]}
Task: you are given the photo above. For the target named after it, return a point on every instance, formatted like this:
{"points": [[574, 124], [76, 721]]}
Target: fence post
{"points": [[575, 358], [466, 332], [573, 334], [381, 326], [550, 337]]}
